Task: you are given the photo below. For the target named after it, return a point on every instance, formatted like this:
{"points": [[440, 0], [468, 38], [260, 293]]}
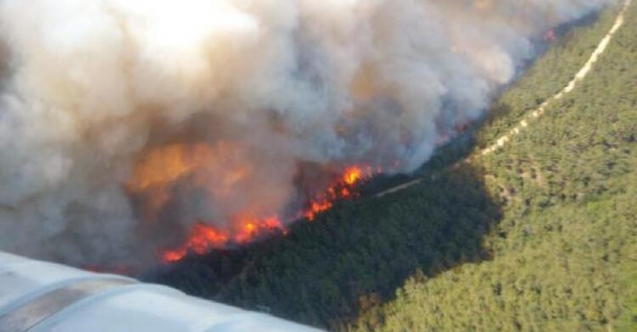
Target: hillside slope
{"points": [[565, 252], [540, 236]]}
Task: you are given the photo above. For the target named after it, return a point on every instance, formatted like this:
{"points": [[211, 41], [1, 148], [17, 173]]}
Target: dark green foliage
{"points": [[541, 236], [565, 252], [357, 254], [546, 77]]}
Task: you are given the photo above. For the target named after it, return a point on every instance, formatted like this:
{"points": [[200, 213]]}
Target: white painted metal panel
{"points": [[44, 297]]}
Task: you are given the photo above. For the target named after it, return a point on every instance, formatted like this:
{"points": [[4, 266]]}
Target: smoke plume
{"points": [[124, 122]]}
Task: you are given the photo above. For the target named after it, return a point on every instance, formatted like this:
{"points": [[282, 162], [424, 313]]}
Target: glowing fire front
{"points": [[204, 238], [174, 187]]}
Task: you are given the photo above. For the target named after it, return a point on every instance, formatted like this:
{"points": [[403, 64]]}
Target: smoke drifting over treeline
{"points": [[123, 122]]}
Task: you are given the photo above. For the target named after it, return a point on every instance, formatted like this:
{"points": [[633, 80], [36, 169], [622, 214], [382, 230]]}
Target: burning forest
{"points": [[203, 237], [138, 132]]}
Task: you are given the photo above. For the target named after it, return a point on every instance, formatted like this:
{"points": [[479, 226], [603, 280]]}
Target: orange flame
{"points": [[352, 175], [204, 238], [316, 208]]}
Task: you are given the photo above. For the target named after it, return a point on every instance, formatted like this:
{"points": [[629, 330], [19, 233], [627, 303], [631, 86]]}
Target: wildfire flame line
{"points": [[204, 238]]}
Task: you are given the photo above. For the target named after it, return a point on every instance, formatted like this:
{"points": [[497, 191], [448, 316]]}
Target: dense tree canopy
{"points": [[540, 236]]}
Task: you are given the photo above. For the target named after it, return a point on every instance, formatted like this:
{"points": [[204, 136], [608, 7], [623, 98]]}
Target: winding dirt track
{"points": [[524, 124]]}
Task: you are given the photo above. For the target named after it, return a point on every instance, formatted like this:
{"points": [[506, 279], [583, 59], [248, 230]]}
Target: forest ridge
{"points": [[540, 236]]}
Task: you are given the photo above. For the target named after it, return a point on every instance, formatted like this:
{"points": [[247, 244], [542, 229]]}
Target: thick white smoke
{"points": [[272, 88]]}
